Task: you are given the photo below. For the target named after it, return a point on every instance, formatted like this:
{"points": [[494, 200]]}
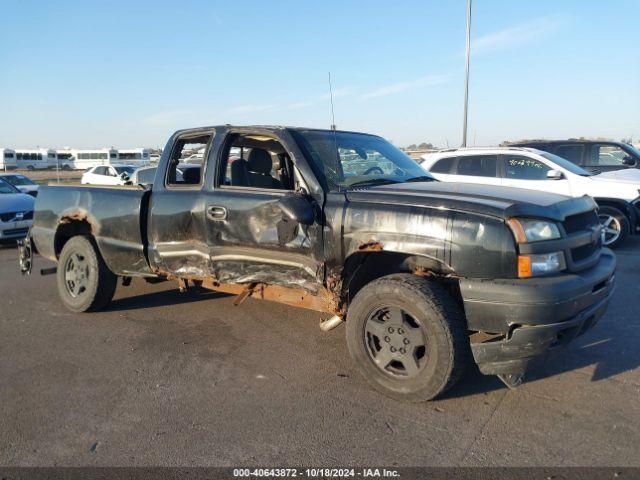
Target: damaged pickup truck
{"points": [[428, 276]]}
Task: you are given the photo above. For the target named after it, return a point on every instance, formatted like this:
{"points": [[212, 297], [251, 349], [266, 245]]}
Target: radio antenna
{"points": [[333, 117], [333, 129]]}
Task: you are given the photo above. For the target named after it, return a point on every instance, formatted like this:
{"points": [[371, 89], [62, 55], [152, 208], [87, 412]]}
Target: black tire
{"points": [[617, 220], [81, 258], [31, 168], [422, 303]]}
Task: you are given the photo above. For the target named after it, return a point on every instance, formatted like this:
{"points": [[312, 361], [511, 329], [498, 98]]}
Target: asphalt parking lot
{"points": [[164, 378]]}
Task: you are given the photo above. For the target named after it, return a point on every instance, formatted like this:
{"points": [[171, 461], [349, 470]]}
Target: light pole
{"points": [[466, 76]]}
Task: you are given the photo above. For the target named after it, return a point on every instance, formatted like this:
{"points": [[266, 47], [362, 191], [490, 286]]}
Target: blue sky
{"points": [[128, 73]]}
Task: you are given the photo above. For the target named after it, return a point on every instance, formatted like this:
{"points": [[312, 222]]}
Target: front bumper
{"points": [[529, 316], [14, 230]]}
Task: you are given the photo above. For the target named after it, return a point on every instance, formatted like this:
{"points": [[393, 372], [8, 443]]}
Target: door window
{"points": [[100, 170], [573, 153], [603, 154], [478, 165], [519, 167], [180, 174], [256, 161], [443, 166]]}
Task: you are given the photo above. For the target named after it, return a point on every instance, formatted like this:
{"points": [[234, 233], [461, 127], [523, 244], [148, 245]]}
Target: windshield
{"points": [[18, 180], [633, 149], [127, 170], [566, 164], [360, 159], [6, 187]]}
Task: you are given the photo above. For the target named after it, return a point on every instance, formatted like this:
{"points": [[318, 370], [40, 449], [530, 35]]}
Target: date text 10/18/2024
{"points": [[316, 472]]}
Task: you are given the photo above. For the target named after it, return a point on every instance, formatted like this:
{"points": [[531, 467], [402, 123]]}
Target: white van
{"points": [[7, 159], [35, 158], [134, 156], [83, 159]]}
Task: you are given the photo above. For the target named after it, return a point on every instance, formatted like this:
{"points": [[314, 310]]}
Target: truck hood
{"points": [[627, 176], [503, 202], [16, 202]]}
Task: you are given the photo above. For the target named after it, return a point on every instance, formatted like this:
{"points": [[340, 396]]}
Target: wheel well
{"points": [[362, 268], [67, 230], [618, 205]]}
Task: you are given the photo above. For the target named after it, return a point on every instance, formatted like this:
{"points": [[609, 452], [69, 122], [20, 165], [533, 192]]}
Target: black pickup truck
{"points": [[428, 276]]}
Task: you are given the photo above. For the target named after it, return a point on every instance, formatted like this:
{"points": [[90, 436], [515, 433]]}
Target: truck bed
{"points": [[116, 216]]}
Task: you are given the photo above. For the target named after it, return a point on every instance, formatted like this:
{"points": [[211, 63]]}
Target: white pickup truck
{"points": [[617, 193]]}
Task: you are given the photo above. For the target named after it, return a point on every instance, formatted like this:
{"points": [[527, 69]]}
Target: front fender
{"points": [[467, 244]]}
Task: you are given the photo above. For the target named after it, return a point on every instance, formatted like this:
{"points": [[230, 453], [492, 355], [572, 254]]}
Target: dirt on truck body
{"points": [[428, 276]]}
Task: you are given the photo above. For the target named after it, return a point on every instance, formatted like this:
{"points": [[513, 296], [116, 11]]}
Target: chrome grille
{"points": [[13, 216]]}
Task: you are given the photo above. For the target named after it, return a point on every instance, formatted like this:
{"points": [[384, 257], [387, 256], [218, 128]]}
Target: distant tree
{"points": [[413, 146], [425, 146]]}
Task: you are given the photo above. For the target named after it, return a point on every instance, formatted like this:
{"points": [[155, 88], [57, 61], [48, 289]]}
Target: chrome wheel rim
{"points": [[611, 229], [395, 342], [76, 275]]}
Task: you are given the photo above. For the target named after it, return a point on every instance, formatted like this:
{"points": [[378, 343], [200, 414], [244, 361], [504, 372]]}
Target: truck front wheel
{"points": [[408, 337], [85, 283]]}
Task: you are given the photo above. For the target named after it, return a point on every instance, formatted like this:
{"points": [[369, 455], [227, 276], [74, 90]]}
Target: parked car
{"points": [[429, 276], [594, 156], [143, 176], [195, 159], [146, 175], [616, 193], [16, 212], [22, 183], [107, 175]]}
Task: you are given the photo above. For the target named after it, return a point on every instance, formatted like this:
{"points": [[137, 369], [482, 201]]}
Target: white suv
{"points": [[617, 193]]}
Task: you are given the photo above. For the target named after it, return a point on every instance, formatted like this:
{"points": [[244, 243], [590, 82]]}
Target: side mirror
{"points": [[555, 175], [629, 161], [124, 176], [297, 208]]}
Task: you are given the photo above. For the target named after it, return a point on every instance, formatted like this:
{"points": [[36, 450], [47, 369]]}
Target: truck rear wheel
{"points": [[615, 226], [85, 283], [408, 337]]}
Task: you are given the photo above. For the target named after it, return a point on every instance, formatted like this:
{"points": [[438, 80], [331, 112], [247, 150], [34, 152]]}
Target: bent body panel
{"points": [[112, 214]]}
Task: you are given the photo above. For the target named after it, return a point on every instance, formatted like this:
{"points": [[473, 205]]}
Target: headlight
{"points": [[540, 264], [529, 230]]}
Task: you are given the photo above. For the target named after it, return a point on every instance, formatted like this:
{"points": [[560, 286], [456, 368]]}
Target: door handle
{"points": [[217, 213]]}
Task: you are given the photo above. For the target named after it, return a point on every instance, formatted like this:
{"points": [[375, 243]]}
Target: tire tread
{"points": [[438, 300], [106, 280]]}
